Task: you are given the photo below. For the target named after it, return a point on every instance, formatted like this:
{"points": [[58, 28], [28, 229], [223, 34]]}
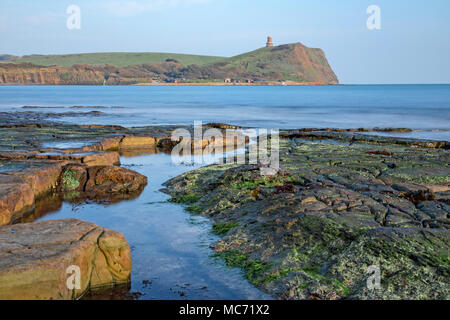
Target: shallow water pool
{"points": [[170, 249]]}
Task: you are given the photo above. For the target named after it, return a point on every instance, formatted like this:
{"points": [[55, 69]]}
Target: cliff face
{"points": [[292, 62], [312, 63], [26, 73]]}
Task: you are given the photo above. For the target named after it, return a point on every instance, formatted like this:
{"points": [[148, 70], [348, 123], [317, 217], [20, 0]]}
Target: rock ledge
{"points": [[35, 257]]}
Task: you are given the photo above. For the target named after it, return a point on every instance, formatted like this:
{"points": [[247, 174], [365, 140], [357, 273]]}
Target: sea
{"points": [[423, 108]]}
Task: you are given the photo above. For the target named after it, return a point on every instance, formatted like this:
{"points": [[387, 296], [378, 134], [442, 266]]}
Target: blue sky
{"points": [[412, 46]]}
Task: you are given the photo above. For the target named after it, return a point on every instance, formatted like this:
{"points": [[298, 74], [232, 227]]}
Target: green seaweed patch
{"points": [[222, 228], [313, 272], [254, 269], [232, 258], [70, 181], [279, 274], [264, 182], [186, 198], [195, 209]]}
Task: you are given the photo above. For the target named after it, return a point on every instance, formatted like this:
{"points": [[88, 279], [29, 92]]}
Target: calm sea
{"points": [[422, 107]]}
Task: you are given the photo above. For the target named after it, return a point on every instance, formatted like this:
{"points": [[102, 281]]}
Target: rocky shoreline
{"points": [[36, 177], [341, 206], [343, 201]]}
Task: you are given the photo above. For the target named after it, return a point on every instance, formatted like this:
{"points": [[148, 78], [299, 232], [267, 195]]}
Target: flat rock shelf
{"points": [[343, 202], [35, 259]]}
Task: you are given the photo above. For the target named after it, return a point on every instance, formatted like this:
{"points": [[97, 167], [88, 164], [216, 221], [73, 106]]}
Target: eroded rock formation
{"points": [[35, 259], [335, 209]]}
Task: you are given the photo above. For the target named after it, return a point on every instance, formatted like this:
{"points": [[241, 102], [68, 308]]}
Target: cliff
{"points": [[291, 62]]}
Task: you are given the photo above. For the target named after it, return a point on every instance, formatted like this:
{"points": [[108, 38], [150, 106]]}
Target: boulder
{"points": [[110, 144], [41, 176], [73, 178], [37, 260], [114, 180], [16, 196], [101, 180], [20, 189], [166, 143], [135, 142]]}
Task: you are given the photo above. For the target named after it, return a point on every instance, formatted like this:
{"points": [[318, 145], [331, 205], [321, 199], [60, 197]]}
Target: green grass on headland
{"points": [[120, 59]]}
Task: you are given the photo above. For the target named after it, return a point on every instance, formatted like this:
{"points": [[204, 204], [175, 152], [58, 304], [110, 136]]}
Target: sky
{"points": [[411, 46]]}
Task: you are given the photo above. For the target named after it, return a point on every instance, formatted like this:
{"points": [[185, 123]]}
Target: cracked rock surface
{"points": [[334, 211], [35, 257]]}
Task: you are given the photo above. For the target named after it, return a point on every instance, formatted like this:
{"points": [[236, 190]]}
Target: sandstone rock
{"points": [[101, 180], [19, 189], [107, 144], [16, 196], [135, 142], [166, 143], [114, 180], [42, 177], [110, 144], [34, 258], [73, 178], [90, 158], [101, 159], [309, 200]]}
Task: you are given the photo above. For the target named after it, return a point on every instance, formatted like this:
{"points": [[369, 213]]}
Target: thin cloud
{"points": [[3, 23], [43, 18], [131, 8]]}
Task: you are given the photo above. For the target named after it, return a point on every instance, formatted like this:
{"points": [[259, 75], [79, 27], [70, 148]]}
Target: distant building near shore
{"points": [[269, 42]]}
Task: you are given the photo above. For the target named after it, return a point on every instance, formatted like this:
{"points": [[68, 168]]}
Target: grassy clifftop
{"points": [[291, 62], [286, 62], [119, 59]]}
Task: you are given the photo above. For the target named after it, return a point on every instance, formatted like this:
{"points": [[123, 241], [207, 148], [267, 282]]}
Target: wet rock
{"points": [[409, 187], [34, 260], [136, 142], [101, 159], [20, 188], [16, 197], [380, 152], [313, 230], [101, 180], [166, 143], [73, 178], [418, 196], [109, 144], [92, 158], [222, 126], [41, 176], [114, 180]]}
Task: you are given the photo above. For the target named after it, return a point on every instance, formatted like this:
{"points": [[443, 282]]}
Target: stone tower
{"points": [[269, 42]]}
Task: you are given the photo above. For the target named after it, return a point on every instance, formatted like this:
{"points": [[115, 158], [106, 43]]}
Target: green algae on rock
{"points": [[314, 230], [70, 181]]}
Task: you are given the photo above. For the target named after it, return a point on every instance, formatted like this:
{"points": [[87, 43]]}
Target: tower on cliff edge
{"points": [[269, 42]]}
